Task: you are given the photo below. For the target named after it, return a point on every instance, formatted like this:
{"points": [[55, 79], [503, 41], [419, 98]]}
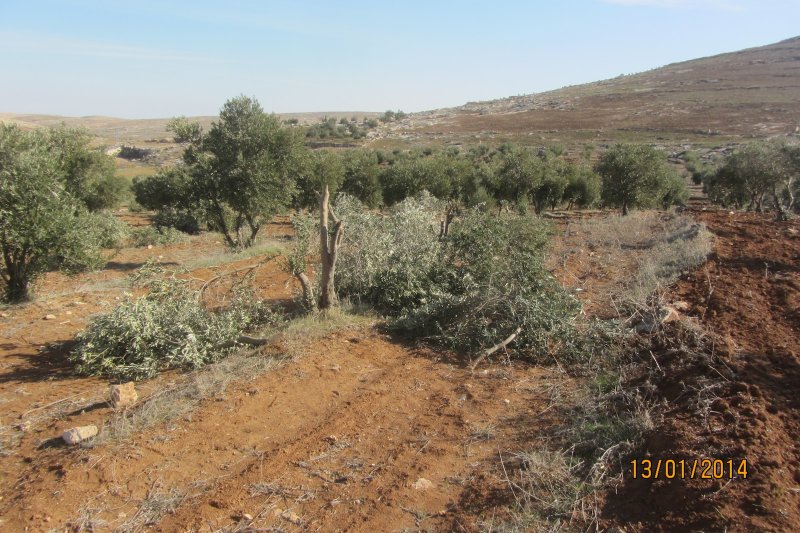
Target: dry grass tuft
{"points": [[212, 380], [266, 247], [302, 331], [556, 490], [174, 402], [155, 506]]}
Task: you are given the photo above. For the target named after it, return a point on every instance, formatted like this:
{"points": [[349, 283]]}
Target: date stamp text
{"points": [[688, 469]]}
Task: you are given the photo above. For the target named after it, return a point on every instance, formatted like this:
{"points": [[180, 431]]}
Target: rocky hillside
{"points": [[750, 93]]}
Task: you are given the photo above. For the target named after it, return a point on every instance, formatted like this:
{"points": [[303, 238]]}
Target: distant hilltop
{"points": [[750, 93]]}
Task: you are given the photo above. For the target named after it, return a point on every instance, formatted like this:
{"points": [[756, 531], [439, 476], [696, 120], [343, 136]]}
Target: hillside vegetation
{"points": [[749, 93]]}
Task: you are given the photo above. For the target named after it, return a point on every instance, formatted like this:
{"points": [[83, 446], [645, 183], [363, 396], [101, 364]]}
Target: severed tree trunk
{"points": [[308, 291], [449, 215], [780, 213], [329, 242]]}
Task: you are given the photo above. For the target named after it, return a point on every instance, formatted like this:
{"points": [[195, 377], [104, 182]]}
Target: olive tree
{"points": [[88, 174], [362, 177], [550, 191], [169, 188], [634, 175], [518, 176], [791, 158], [583, 187], [42, 225], [409, 176], [323, 168], [243, 171], [754, 172]]}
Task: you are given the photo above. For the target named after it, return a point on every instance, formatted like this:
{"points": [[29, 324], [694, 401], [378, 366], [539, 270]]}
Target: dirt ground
{"points": [[362, 432], [739, 399], [367, 432]]}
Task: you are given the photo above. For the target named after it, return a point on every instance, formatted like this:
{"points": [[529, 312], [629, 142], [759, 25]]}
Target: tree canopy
{"points": [[636, 175], [243, 171], [88, 175], [755, 171], [43, 224]]}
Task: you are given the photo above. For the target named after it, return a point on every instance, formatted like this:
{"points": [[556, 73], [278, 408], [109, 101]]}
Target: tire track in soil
{"points": [[341, 435], [353, 466]]}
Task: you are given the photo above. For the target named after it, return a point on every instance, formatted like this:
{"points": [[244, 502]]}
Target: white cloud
{"points": [[28, 42]]}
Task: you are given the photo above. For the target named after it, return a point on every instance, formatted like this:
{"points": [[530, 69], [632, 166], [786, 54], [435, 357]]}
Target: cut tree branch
{"points": [[242, 339], [218, 277], [496, 347]]}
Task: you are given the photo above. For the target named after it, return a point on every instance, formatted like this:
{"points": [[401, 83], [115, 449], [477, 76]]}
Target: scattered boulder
{"points": [[124, 395], [422, 484], [49, 317], [79, 434], [289, 516], [134, 153]]}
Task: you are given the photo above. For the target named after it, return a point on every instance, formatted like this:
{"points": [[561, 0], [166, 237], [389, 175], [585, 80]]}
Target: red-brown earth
{"points": [[347, 433]]}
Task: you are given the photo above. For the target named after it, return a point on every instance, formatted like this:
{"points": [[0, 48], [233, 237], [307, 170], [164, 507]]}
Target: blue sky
{"points": [[143, 58]]}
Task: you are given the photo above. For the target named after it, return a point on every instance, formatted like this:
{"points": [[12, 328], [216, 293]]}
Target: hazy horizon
{"points": [[148, 60]]}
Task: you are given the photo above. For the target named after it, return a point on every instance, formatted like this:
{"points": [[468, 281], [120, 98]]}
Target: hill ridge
{"points": [[754, 92]]}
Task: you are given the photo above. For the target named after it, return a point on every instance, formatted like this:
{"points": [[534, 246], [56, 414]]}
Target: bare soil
{"points": [[738, 400], [362, 431], [342, 438]]}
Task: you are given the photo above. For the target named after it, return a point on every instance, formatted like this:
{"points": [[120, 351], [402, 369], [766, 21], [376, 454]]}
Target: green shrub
{"points": [[166, 328], [134, 206], [362, 177], [169, 188], [634, 175], [674, 191], [468, 290], [493, 281], [306, 228], [324, 167], [107, 230], [758, 174], [153, 236], [519, 174], [410, 176], [180, 219], [388, 261], [583, 187], [87, 174], [550, 191]]}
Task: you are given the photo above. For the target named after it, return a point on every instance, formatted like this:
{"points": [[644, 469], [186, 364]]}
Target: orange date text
{"points": [[688, 469]]}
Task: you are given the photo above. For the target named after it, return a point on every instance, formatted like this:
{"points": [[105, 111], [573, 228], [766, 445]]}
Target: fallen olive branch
{"points": [[248, 268], [496, 347], [243, 339]]}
